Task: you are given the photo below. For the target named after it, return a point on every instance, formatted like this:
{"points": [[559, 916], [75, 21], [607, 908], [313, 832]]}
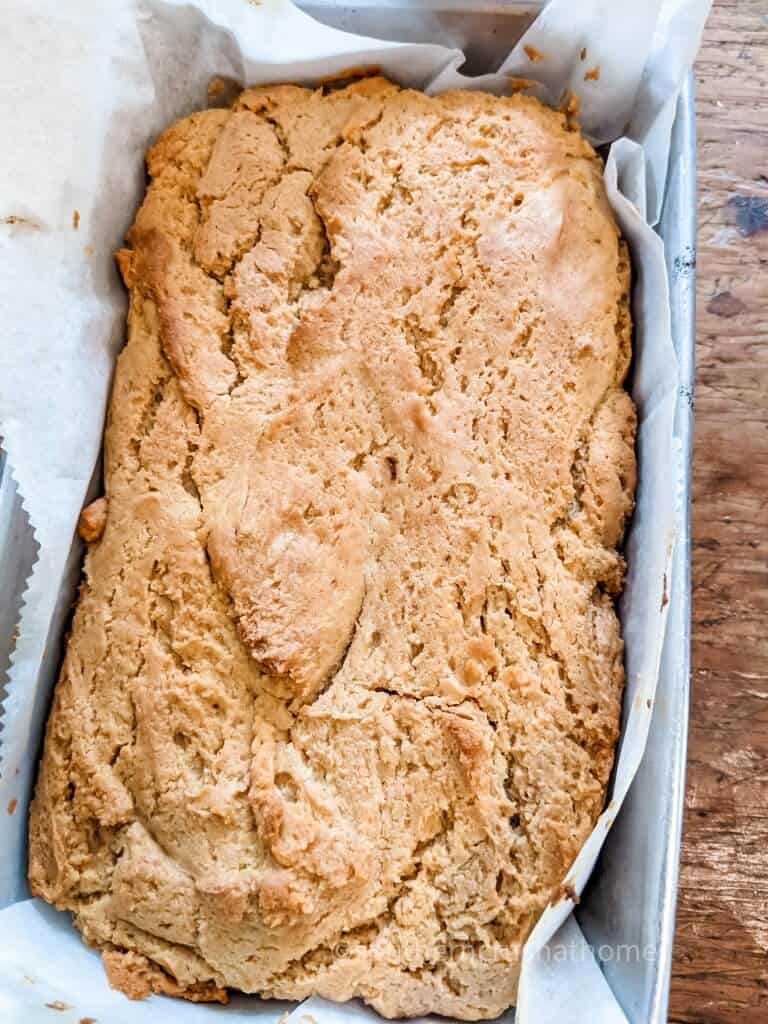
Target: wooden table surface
{"points": [[720, 971]]}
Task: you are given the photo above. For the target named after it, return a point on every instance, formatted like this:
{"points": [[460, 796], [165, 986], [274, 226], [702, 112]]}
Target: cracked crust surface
{"points": [[341, 696]]}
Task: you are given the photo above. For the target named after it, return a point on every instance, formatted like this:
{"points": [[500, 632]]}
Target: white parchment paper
{"points": [[86, 87]]}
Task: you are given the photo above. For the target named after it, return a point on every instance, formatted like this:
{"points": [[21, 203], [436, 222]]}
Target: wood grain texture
{"points": [[720, 971]]}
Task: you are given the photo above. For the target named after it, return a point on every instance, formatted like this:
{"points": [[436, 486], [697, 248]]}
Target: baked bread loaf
{"points": [[342, 690]]}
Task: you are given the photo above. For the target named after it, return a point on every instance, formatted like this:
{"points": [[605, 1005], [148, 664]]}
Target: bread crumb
{"points": [[519, 84], [215, 88], [75, 219], [568, 892], [17, 218], [57, 1004], [12, 805], [593, 75], [92, 521], [583, 54], [570, 105], [533, 54]]}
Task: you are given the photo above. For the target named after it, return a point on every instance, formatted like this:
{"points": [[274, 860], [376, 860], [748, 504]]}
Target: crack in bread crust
{"points": [[341, 696]]}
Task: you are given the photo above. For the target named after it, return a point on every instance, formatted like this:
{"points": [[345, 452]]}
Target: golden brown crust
{"points": [[343, 687], [137, 977]]}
